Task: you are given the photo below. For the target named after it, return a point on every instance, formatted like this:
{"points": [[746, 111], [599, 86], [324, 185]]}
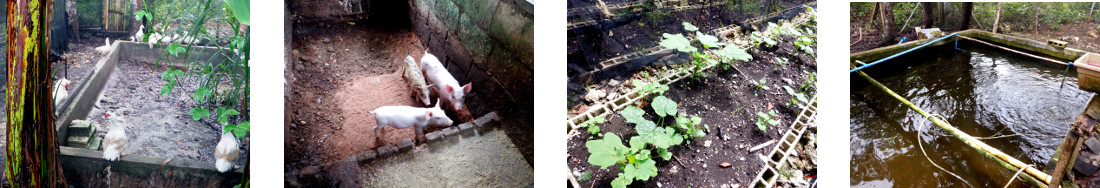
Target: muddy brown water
{"points": [[983, 92]]}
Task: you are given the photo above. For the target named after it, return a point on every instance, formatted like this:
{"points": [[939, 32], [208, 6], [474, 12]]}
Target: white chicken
{"points": [[60, 92], [115, 140], [106, 48], [226, 152]]}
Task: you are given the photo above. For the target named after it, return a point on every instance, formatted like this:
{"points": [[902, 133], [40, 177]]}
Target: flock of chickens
{"points": [[114, 142]]}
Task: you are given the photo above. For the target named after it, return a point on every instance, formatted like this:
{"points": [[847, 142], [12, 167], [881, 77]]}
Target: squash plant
{"points": [[638, 161], [701, 59]]}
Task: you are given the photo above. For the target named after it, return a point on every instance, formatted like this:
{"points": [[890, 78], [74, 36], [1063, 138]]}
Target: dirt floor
{"points": [[333, 62], [158, 125], [726, 103], [360, 96]]}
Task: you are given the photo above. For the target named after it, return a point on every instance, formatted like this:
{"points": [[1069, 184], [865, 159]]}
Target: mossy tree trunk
{"points": [[886, 12], [929, 16], [967, 10], [33, 155]]}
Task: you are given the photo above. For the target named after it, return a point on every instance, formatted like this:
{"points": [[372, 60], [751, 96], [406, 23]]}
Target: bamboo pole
{"points": [[997, 18], [1015, 51], [999, 157]]}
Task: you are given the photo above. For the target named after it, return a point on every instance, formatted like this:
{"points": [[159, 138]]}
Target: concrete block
{"points": [[481, 12], [366, 156], [448, 14], [473, 37], [386, 150], [433, 136], [404, 145], [465, 126], [450, 131], [485, 119]]}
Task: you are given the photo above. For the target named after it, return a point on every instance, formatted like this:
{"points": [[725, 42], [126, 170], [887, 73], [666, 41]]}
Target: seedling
{"points": [[765, 119], [593, 126], [762, 84], [796, 97]]}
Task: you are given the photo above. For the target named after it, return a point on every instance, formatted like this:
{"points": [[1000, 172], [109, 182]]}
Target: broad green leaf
{"points": [[167, 88], [646, 169], [708, 40], [175, 49], [637, 143], [689, 27], [663, 106], [678, 42], [642, 154], [201, 93], [647, 130], [664, 153], [141, 13], [242, 129], [633, 114], [198, 113], [605, 152], [239, 9], [621, 181], [223, 114], [732, 52], [695, 120]]}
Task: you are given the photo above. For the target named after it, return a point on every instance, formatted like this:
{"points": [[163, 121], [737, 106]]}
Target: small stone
{"points": [[326, 40], [304, 58], [742, 158], [725, 165], [613, 82], [659, 184], [725, 185], [310, 171], [330, 49], [706, 143], [704, 165], [612, 96], [595, 95], [303, 122]]}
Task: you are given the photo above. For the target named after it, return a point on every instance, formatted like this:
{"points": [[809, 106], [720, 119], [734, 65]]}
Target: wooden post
{"points": [[997, 19], [1091, 8], [874, 12]]}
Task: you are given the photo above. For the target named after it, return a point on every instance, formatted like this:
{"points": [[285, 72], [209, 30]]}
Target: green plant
{"points": [[797, 98], [649, 88], [702, 59], [782, 63], [222, 78], [765, 119], [761, 85], [634, 161], [810, 83], [593, 126], [585, 177], [690, 126]]}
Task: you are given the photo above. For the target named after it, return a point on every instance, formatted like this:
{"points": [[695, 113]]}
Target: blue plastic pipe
{"points": [[902, 53], [903, 40]]}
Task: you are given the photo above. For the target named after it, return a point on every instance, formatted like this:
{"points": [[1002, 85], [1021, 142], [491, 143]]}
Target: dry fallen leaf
{"points": [[725, 165]]}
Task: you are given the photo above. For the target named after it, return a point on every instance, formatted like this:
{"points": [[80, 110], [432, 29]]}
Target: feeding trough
{"points": [[1088, 72], [82, 164]]}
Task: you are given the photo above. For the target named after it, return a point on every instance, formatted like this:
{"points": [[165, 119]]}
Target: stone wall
{"points": [[489, 43]]}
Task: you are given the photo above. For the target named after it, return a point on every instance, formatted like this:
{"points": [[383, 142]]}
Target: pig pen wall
{"points": [[489, 43]]}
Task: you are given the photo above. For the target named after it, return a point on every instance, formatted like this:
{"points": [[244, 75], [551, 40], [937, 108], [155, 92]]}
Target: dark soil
{"points": [[642, 29], [1065, 32], [725, 101], [870, 37], [157, 125]]}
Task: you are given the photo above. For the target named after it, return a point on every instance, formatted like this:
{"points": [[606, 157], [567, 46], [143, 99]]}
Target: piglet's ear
{"points": [[466, 89], [450, 89]]}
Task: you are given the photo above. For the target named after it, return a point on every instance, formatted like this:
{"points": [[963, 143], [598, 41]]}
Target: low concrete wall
{"points": [[92, 162], [1024, 44]]}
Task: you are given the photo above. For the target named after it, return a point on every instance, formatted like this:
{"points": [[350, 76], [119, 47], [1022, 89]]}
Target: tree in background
{"points": [[886, 12], [967, 10], [929, 19], [33, 154]]}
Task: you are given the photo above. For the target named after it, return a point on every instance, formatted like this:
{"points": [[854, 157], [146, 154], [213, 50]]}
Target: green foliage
{"points": [[240, 11], [585, 177], [678, 42], [593, 125], [170, 76], [663, 106], [690, 126], [649, 88], [239, 130], [175, 49], [689, 27], [765, 119], [782, 63], [797, 98], [760, 85], [199, 113], [635, 161]]}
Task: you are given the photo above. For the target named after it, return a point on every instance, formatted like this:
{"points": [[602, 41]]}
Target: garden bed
{"points": [[726, 102]]}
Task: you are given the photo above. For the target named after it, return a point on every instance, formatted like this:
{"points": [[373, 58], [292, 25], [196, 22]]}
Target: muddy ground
{"points": [[157, 125], [725, 101]]}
